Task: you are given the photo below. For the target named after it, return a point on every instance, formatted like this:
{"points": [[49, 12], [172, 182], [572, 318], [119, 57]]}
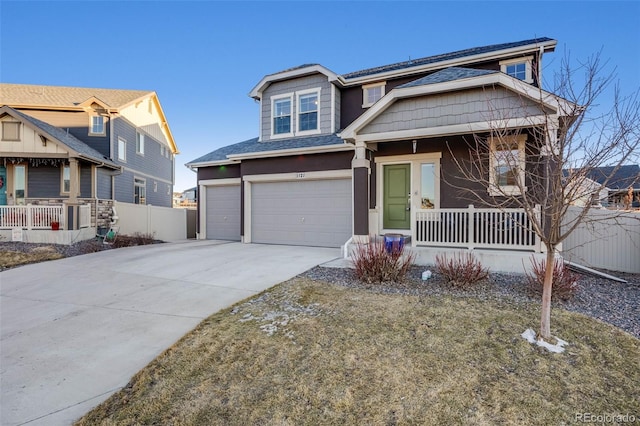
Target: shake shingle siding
{"points": [[292, 86]]}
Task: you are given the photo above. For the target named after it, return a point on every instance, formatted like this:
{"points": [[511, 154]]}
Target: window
{"points": [[139, 191], [139, 143], [428, 186], [162, 150], [308, 112], [20, 183], [282, 116], [507, 165], [122, 149], [372, 93], [10, 130], [97, 125], [518, 68], [66, 179]]}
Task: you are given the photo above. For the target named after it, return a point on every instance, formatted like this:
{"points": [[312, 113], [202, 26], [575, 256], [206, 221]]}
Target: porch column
{"points": [[361, 167]]}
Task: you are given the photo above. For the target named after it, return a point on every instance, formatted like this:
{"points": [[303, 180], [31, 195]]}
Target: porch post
{"points": [[361, 167], [72, 212]]}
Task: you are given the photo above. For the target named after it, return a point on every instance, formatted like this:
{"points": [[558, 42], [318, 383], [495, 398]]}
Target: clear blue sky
{"points": [[203, 57]]}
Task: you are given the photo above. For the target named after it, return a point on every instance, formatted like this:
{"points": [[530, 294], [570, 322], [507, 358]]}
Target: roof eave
{"points": [[548, 46], [195, 166], [256, 92]]}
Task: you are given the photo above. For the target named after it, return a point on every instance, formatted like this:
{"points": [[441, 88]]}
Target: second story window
{"points": [[122, 149], [97, 125], [139, 143], [308, 112], [10, 130], [371, 93], [282, 116], [518, 68]]}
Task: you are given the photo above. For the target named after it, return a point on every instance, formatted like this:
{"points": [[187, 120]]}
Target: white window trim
{"points": [[415, 160], [62, 191], [122, 154], [298, 95], [143, 184], [527, 60], [104, 126], [365, 89], [139, 143], [274, 99], [496, 190]]}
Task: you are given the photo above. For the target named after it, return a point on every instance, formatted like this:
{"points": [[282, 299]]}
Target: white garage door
{"points": [[308, 213], [223, 212]]}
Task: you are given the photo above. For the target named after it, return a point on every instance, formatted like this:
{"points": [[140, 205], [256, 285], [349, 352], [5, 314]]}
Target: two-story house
{"points": [[371, 152], [83, 146]]}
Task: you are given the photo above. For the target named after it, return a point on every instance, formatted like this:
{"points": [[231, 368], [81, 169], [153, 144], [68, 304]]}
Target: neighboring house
{"points": [[186, 198], [342, 157], [84, 146], [614, 187]]}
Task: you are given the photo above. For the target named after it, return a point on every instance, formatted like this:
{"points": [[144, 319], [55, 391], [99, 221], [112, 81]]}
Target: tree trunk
{"points": [[545, 320]]}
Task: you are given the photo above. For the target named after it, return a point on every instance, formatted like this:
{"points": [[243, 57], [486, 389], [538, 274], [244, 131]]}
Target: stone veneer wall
{"points": [[100, 209]]}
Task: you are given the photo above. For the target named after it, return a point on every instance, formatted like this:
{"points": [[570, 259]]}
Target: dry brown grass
{"points": [[309, 352], [9, 258]]}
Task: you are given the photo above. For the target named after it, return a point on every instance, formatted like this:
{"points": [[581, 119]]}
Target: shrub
{"points": [[373, 264], [137, 239], [461, 270], [565, 282]]}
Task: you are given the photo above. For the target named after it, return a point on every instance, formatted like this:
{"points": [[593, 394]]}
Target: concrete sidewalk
{"points": [[74, 331]]}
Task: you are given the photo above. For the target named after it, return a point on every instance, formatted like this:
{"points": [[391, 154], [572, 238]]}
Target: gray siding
{"points": [[291, 86], [151, 165], [43, 182], [85, 181], [337, 110], [462, 107], [104, 184]]}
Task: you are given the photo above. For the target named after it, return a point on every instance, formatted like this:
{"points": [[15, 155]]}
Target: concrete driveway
{"points": [[74, 331]]}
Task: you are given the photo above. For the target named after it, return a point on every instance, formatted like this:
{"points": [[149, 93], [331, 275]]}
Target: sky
{"points": [[203, 58]]}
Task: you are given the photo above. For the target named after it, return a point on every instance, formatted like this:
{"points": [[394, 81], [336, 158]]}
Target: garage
{"points": [[223, 212], [302, 212]]}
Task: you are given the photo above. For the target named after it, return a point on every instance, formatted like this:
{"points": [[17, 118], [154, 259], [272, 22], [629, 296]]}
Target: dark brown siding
{"points": [[219, 172], [360, 202], [454, 189], [351, 107], [299, 163]]}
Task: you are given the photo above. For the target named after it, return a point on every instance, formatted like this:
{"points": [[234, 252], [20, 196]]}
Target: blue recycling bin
{"points": [[393, 243]]}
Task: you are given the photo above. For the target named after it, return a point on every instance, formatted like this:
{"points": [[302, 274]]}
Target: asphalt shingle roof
{"points": [[252, 145], [443, 57], [448, 74], [626, 176], [67, 139], [58, 96]]}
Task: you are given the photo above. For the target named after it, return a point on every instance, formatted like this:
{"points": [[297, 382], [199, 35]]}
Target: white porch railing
{"points": [[472, 228], [31, 217], [84, 216]]}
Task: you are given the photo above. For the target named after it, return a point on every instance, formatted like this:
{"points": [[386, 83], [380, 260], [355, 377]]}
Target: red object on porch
{"points": [[55, 226]]}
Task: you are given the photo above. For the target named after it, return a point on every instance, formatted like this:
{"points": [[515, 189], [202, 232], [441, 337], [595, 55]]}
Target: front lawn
{"points": [[310, 352]]}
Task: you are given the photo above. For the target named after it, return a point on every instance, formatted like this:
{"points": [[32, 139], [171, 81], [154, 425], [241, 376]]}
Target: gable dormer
{"points": [[298, 102]]}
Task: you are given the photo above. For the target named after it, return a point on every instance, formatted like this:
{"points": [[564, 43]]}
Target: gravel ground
{"points": [[609, 301]]}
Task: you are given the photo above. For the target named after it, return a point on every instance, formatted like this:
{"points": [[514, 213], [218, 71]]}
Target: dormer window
{"points": [[10, 130], [519, 68], [371, 93], [96, 127], [308, 111], [281, 111]]}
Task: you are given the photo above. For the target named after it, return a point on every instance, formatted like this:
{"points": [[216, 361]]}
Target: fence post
{"points": [[538, 242], [29, 216], [471, 227]]}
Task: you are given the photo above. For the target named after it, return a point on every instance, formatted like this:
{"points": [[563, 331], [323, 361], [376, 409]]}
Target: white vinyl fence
{"points": [[607, 239], [164, 223]]}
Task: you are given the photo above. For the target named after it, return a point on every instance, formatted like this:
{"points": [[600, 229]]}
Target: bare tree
{"points": [[539, 152]]}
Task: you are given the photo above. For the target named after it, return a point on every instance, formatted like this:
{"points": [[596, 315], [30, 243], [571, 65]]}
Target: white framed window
{"points": [[507, 162], [308, 109], [65, 185], [96, 126], [139, 143], [122, 149], [519, 68], [139, 191], [11, 130], [371, 93], [162, 150], [281, 108]]}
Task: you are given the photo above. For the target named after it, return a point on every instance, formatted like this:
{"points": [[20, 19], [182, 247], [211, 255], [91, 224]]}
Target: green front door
{"points": [[3, 186], [396, 197]]}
